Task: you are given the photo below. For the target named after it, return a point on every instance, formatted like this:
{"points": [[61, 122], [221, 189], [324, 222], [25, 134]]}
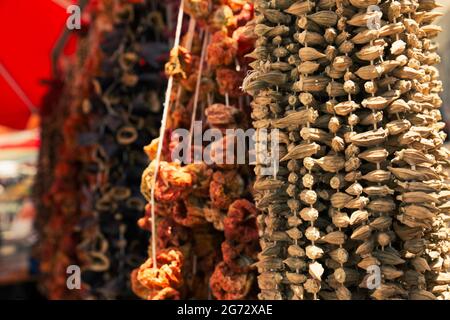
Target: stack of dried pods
{"points": [[359, 206], [197, 205]]}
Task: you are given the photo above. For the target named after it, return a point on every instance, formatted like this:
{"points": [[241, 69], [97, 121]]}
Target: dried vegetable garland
{"points": [[123, 112], [361, 184], [106, 114], [57, 248], [51, 123], [197, 206]]}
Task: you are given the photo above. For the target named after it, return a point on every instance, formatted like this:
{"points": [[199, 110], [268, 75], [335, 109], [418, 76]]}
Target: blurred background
{"points": [[56, 88]]}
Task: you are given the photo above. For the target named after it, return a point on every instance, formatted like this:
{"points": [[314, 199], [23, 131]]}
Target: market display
{"points": [[361, 185], [146, 176]]}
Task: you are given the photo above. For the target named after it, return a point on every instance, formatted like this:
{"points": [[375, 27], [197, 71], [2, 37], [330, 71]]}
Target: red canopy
{"points": [[29, 31]]}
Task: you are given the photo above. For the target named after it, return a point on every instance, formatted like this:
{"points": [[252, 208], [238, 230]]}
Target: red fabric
{"points": [[29, 139], [28, 33], [35, 144]]}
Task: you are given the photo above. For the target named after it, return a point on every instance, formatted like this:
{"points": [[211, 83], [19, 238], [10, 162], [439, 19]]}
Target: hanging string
{"points": [[190, 34], [161, 137], [227, 99], [194, 110], [17, 89], [197, 87]]}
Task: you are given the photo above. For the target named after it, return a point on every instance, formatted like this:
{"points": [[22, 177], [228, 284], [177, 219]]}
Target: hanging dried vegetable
{"points": [[110, 107], [361, 184], [51, 123], [57, 248], [204, 204]]}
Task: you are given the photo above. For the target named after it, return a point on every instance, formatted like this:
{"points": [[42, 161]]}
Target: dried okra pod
{"points": [[366, 185]]}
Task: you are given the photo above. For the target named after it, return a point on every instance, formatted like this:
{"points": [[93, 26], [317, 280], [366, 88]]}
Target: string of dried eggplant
{"points": [[124, 110], [106, 118]]}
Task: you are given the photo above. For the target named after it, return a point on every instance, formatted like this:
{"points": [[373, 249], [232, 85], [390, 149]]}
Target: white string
{"points": [[161, 137], [16, 88], [197, 89], [190, 32], [227, 99]]}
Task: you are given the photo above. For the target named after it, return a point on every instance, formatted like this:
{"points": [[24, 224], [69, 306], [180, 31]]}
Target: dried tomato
{"points": [[229, 82], [215, 216], [189, 212], [167, 272], [240, 222], [220, 115], [171, 183], [222, 18], [198, 9], [225, 187], [201, 175], [228, 285], [179, 62], [170, 234], [151, 294], [235, 258], [222, 49]]}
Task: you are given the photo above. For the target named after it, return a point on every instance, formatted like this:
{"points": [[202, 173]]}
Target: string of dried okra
{"points": [[358, 208], [419, 165]]}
